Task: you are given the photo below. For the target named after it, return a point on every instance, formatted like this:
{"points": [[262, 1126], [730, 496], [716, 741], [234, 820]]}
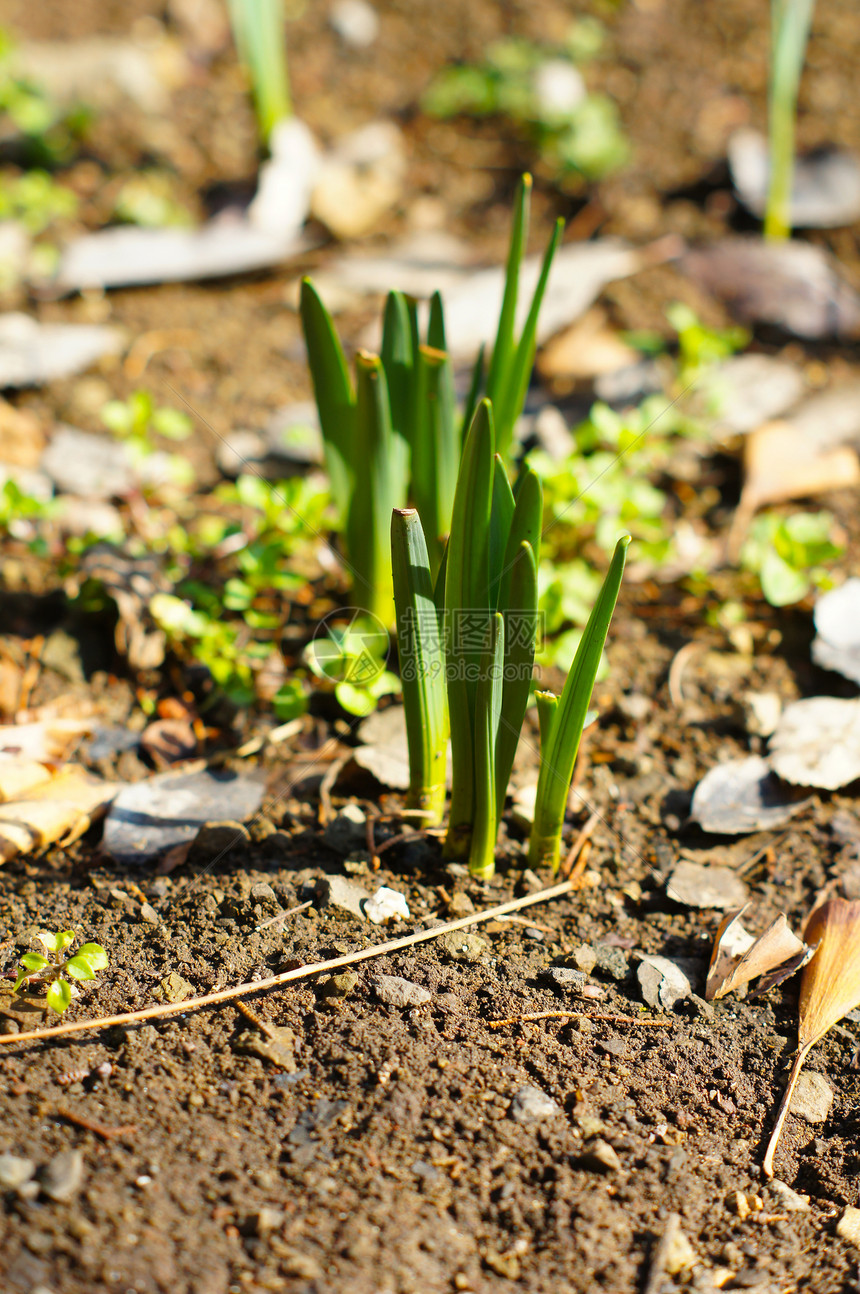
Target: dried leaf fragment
{"points": [[776, 946], [732, 940], [58, 810], [829, 989]]}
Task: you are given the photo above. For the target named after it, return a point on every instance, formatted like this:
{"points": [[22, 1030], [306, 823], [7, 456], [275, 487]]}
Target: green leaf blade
{"points": [[333, 392]]}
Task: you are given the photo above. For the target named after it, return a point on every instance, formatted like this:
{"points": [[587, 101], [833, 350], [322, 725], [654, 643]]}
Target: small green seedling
{"points": [[52, 970], [791, 554], [137, 420]]}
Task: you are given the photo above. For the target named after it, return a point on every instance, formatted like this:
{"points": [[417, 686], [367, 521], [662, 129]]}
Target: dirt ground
{"points": [[388, 1152]]}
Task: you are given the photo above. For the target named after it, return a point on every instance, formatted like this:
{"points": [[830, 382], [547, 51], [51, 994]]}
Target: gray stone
{"points": [[663, 982], [15, 1171], [347, 830], [263, 894], [563, 977], [812, 1097], [93, 467], [346, 896], [743, 795], [170, 809], [396, 991], [61, 1178], [585, 958], [149, 914], [531, 1105], [462, 947], [612, 961]]}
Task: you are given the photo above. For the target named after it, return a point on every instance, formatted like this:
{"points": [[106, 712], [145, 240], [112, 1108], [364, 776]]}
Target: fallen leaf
{"points": [[829, 989], [781, 462], [585, 349], [56, 811], [697, 886], [384, 751], [730, 943], [21, 436], [792, 284], [743, 795], [836, 645], [777, 946], [817, 742], [46, 740]]}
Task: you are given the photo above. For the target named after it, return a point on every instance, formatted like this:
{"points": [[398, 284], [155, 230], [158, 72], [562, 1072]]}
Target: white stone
{"points": [[386, 905], [355, 21], [812, 1097]]}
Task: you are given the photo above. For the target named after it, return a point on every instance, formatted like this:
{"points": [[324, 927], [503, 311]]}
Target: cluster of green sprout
{"points": [[460, 567], [54, 971]]}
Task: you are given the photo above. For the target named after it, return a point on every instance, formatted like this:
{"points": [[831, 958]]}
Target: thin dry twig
{"points": [[300, 972], [282, 916], [676, 672], [578, 848], [581, 1015], [90, 1125], [335, 768]]}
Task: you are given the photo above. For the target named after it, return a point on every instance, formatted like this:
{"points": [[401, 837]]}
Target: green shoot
{"points": [[562, 722], [422, 666], [790, 554], [512, 359], [790, 21], [490, 601], [51, 971], [261, 43]]}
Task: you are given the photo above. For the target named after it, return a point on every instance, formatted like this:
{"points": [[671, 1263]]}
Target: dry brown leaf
{"points": [[778, 945], [829, 989], [45, 741], [730, 943], [169, 741], [586, 349], [18, 777], [56, 812]]}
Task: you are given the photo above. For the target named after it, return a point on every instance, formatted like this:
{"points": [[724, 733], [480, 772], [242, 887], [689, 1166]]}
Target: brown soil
{"points": [[388, 1161]]}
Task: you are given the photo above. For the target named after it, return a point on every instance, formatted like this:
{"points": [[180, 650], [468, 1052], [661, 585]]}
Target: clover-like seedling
{"points": [[52, 970]]}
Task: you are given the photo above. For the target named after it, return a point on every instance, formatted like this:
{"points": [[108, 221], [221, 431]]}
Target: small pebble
{"points": [[149, 914], [531, 1105], [340, 985], [788, 1199], [584, 958], [347, 830], [599, 1157], [612, 961], [662, 982], [568, 980], [462, 947], [812, 1097], [848, 1227], [15, 1171], [62, 1177], [396, 991], [532, 932], [263, 894], [173, 988], [461, 906]]}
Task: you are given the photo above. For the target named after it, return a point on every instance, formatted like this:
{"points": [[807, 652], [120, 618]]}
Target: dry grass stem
{"points": [[300, 972]]}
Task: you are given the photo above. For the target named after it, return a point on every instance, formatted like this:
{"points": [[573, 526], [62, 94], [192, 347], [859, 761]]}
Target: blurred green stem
{"points": [[790, 23]]}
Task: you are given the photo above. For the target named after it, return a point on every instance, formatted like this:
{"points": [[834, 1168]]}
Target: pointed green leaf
{"points": [[514, 383], [525, 528], [379, 487], [547, 708], [59, 995], [333, 392], [436, 451], [521, 622], [559, 759], [488, 709], [466, 614], [422, 665], [503, 350], [501, 516], [474, 395], [398, 360]]}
